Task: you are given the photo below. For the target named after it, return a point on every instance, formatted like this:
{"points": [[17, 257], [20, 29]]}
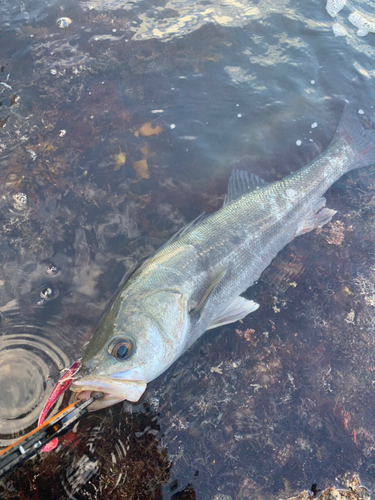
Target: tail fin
{"points": [[357, 128]]}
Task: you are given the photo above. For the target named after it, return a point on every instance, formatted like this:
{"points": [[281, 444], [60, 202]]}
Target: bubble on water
{"points": [[298, 143], [63, 22], [312, 82], [338, 30], [52, 269], [53, 72], [361, 112], [314, 125], [239, 115], [46, 292], [172, 125], [15, 99], [20, 200], [363, 24], [62, 133], [333, 7]]}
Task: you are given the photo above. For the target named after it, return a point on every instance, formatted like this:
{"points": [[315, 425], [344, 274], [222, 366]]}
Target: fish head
{"points": [[132, 346]]}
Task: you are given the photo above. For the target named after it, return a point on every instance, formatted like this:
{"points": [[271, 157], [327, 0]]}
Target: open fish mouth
{"points": [[114, 390]]}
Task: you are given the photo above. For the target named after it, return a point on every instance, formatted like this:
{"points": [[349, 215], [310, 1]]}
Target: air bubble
{"points": [[52, 270], [15, 99], [63, 22], [20, 200], [46, 292]]}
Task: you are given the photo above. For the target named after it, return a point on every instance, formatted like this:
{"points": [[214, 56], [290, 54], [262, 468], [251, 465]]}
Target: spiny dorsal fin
{"points": [[240, 183], [215, 280], [181, 232]]}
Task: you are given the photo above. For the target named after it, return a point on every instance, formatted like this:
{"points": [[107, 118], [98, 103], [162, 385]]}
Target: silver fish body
{"points": [[194, 282]]}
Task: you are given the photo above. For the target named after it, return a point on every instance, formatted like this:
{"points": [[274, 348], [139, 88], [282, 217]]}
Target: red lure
{"points": [[61, 386]]}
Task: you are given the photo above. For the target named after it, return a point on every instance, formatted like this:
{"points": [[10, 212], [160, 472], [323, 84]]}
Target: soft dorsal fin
{"points": [[241, 183], [214, 281]]}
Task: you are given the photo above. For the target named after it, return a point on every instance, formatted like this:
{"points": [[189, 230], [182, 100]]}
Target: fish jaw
{"points": [[114, 389]]}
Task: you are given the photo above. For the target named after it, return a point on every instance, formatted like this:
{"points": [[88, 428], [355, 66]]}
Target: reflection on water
{"points": [[114, 132]]}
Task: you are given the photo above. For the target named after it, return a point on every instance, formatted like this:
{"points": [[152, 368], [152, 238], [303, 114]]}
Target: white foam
{"points": [[238, 75], [314, 125], [298, 143], [338, 30], [363, 24], [333, 7]]}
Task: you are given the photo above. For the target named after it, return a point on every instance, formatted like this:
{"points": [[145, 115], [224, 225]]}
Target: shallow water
{"points": [[261, 409]]}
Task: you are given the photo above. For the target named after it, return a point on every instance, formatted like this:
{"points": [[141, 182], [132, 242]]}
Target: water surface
{"points": [[115, 132]]}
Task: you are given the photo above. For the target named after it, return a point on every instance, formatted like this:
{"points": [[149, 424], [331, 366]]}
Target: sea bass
{"points": [[194, 282]]}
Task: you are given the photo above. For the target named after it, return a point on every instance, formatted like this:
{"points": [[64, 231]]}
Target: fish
{"points": [[194, 282]]}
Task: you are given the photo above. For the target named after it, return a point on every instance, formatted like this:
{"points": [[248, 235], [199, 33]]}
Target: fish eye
{"points": [[120, 348]]}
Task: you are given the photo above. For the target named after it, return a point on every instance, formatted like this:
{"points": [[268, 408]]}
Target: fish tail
{"points": [[357, 129]]}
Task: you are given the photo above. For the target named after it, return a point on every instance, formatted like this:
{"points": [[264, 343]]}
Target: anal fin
{"points": [[317, 218], [237, 309]]}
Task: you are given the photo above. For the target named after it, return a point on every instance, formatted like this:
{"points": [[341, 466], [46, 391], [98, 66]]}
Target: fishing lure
{"points": [[61, 386]]}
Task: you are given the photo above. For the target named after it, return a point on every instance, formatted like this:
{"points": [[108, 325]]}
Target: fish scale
{"points": [[194, 282]]}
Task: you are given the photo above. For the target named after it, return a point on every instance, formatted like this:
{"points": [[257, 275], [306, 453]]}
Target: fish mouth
{"points": [[114, 390]]}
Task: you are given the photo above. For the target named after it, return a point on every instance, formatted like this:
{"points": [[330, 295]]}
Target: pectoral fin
{"points": [[215, 280], [237, 309]]}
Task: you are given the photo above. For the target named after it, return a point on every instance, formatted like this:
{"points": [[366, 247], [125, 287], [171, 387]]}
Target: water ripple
{"points": [[27, 371]]}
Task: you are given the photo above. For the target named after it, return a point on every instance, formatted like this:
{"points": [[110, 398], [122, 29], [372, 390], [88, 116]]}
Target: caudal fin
{"points": [[357, 128]]}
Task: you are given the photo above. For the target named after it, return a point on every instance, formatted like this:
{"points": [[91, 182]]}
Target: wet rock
{"points": [[355, 491]]}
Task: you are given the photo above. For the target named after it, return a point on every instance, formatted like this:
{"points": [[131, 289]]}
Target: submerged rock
{"points": [[355, 491]]}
